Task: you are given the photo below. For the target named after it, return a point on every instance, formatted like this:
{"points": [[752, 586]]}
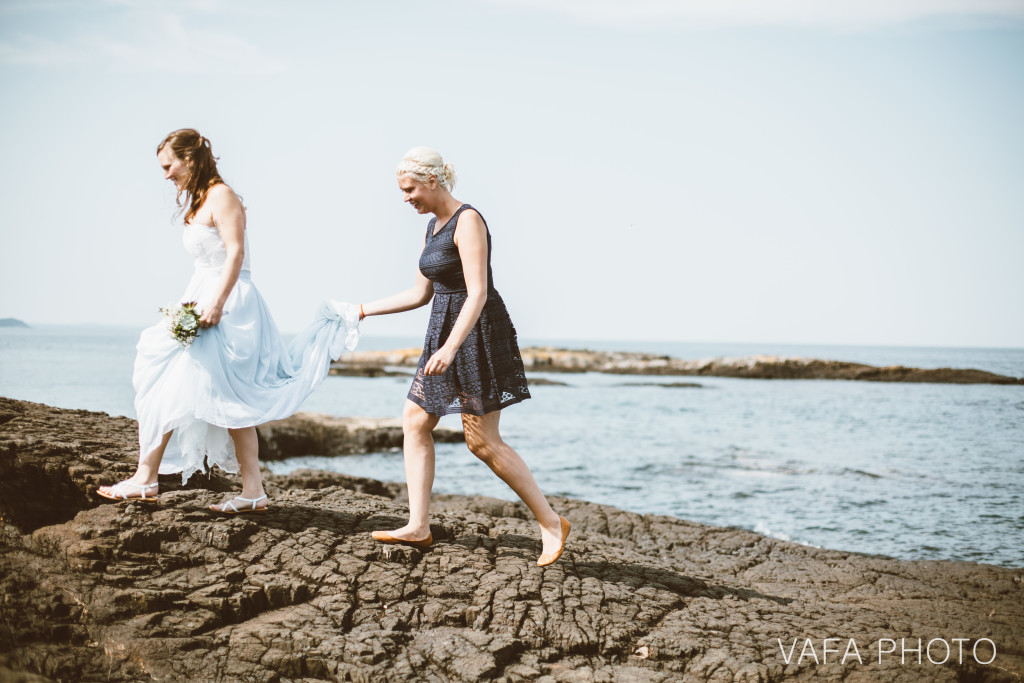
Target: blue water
{"points": [[917, 471]]}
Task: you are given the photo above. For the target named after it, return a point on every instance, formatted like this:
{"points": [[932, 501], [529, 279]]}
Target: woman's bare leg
{"points": [[418, 451], [149, 467], [247, 451], [485, 442]]}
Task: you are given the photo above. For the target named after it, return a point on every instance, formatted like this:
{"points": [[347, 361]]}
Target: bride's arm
{"points": [[229, 219]]}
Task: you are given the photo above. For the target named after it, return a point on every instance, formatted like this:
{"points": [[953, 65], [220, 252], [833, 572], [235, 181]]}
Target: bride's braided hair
{"points": [[195, 150]]}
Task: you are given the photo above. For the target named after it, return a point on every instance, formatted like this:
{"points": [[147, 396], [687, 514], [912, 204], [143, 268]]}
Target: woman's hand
{"points": [[439, 362], [211, 315]]}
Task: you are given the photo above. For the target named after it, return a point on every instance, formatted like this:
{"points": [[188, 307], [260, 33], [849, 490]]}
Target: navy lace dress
{"points": [[487, 373]]}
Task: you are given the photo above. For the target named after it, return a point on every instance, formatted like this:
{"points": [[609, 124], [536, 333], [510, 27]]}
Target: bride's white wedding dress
{"points": [[238, 373]]}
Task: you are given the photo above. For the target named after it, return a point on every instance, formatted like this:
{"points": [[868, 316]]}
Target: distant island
{"points": [[11, 322]]}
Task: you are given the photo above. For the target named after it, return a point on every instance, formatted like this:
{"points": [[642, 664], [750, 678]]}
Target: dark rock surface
{"points": [[52, 459], [131, 592], [548, 359]]}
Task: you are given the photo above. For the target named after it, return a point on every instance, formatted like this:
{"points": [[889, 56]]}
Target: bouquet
{"points": [[182, 322]]}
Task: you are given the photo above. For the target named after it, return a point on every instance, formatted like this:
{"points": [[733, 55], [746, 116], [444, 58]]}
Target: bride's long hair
{"points": [[195, 150]]}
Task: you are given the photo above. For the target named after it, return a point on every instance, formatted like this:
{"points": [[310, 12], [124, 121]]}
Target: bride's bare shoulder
{"points": [[221, 198], [222, 192], [223, 206]]}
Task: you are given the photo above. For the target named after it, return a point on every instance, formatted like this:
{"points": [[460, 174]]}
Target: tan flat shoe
{"points": [[385, 537], [550, 558]]}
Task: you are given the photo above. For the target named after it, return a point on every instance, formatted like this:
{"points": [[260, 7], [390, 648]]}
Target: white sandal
{"points": [[117, 492], [223, 507]]}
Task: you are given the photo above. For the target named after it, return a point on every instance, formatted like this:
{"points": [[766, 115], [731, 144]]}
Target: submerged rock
{"points": [[130, 592]]}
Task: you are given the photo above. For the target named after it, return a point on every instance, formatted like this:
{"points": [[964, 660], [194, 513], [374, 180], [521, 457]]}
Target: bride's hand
{"points": [[439, 362], [211, 315]]}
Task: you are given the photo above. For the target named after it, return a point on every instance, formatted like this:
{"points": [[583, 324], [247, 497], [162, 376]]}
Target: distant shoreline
{"points": [[945, 365], [597, 344], [550, 359]]}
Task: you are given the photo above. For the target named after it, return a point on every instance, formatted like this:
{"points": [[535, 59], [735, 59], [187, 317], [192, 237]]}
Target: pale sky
{"points": [[754, 171]]}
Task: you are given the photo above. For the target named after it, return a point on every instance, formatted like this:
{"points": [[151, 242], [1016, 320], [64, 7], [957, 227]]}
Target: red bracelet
{"points": [[361, 314]]}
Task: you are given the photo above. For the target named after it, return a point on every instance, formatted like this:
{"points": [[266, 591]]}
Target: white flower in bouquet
{"points": [[182, 322]]}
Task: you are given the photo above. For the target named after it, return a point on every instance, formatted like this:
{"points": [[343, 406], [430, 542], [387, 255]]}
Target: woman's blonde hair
{"points": [[422, 163]]}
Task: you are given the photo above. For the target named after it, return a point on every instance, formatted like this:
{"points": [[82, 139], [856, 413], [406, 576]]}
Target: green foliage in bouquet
{"points": [[182, 322]]}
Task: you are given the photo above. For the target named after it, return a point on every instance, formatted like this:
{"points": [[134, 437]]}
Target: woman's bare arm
{"points": [[228, 217], [420, 294]]}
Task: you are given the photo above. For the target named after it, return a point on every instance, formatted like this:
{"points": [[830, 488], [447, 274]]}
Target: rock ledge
{"points": [[131, 592]]}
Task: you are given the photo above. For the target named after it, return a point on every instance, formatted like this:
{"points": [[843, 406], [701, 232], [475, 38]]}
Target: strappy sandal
{"points": [[223, 507], [117, 493]]}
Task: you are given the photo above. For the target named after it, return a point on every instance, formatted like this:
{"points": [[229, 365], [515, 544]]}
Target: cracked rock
{"points": [[91, 590]]}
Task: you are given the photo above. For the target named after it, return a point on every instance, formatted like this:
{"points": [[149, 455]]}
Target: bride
{"points": [[199, 404]]}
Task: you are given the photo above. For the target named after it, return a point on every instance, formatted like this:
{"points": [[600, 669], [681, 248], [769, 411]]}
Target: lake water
{"points": [[916, 471]]}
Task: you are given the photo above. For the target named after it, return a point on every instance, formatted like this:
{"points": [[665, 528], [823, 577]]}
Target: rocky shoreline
{"points": [[549, 359], [129, 592]]}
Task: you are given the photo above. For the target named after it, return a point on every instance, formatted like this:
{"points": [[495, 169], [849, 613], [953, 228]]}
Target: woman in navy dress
{"points": [[471, 362]]}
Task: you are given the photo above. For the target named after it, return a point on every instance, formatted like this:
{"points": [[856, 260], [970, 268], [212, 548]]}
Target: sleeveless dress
{"points": [[487, 373], [238, 373]]}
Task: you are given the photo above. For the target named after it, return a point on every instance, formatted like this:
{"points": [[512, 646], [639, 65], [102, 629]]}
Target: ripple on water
{"points": [[863, 473], [868, 503]]}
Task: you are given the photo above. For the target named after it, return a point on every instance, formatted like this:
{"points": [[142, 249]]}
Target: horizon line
{"points": [[529, 340]]}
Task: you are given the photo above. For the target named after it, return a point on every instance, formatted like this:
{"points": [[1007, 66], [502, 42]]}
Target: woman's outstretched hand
{"points": [[439, 362]]}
